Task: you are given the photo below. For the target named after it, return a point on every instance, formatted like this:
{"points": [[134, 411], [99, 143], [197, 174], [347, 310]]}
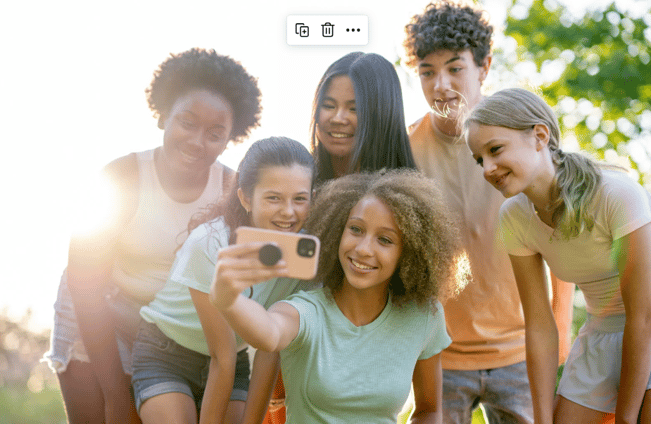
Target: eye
{"points": [[355, 229], [217, 135], [301, 199], [480, 162], [455, 69], [272, 198], [495, 149], [188, 125], [385, 240], [328, 106], [426, 74], [353, 109]]}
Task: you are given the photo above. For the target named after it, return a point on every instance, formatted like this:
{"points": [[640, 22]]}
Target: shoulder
{"points": [[619, 183], [418, 126], [209, 236], [515, 207], [123, 171]]}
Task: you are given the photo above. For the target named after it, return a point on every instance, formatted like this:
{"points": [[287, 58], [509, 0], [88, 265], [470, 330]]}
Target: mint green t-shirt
{"points": [[173, 311], [336, 372]]}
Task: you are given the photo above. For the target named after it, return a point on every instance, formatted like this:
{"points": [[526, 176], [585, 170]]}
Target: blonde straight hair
{"points": [[577, 176]]}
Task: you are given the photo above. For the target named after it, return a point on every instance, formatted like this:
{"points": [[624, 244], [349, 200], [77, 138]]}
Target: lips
{"points": [[189, 157], [499, 181], [361, 266], [284, 226], [340, 135]]}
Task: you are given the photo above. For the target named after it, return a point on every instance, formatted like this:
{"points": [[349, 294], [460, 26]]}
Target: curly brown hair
{"points": [[206, 69], [453, 25], [432, 257]]}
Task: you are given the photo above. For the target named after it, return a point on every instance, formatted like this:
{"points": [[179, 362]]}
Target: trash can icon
{"points": [[327, 29]]}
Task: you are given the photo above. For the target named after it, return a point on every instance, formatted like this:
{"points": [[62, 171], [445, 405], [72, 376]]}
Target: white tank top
{"points": [[147, 246]]}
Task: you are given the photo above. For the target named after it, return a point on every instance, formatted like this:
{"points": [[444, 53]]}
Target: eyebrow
{"points": [[333, 100], [382, 228], [452, 59]]}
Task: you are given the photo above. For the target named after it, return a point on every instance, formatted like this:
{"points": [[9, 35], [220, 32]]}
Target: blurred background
{"points": [[72, 84]]}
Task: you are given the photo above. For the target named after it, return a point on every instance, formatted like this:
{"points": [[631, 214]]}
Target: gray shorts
{"points": [[160, 365], [592, 370], [65, 340]]}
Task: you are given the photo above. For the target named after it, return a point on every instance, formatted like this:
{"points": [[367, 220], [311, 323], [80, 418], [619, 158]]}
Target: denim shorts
{"points": [[160, 365], [65, 341], [503, 392], [592, 371]]}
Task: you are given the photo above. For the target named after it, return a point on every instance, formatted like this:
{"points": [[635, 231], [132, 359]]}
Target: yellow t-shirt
{"points": [[485, 321]]}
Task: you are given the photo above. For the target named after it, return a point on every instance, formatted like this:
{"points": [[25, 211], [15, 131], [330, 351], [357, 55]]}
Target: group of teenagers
{"points": [[432, 274]]}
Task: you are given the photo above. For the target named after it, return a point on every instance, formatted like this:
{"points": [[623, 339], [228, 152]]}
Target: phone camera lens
{"points": [[269, 254], [306, 247]]}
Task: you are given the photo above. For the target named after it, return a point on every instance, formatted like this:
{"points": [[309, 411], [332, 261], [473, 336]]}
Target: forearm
{"points": [[221, 375], [427, 418], [542, 364], [563, 309], [97, 330], [636, 367], [265, 370], [253, 323]]}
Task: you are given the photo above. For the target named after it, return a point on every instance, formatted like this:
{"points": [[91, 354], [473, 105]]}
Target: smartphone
{"points": [[299, 251]]}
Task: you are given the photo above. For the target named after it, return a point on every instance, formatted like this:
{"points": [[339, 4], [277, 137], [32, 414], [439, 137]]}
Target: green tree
{"points": [[601, 77]]}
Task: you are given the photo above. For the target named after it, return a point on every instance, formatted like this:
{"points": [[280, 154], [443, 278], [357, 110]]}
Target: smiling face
{"points": [[370, 245], [197, 130], [451, 83], [513, 161], [337, 118], [281, 198]]}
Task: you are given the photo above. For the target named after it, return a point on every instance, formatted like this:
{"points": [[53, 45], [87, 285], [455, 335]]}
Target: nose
{"points": [[363, 247], [341, 116], [441, 82], [489, 167], [287, 209]]}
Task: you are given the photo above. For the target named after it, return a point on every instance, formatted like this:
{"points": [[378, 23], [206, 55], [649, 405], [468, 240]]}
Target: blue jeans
{"points": [[503, 392]]}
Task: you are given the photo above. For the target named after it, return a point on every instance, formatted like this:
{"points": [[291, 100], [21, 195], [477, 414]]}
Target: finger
{"points": [[237, 250]]}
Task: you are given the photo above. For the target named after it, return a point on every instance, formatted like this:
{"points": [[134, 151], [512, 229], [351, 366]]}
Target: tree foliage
{"points": [[602, 77]]}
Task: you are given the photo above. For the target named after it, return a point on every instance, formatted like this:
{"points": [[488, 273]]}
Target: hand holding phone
{"points": [[299, 251]]}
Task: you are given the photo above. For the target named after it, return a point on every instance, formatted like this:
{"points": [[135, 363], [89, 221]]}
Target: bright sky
{"points": [[72, 86]]}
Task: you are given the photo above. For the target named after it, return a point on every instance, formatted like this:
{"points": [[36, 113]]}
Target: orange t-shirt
{"points": [[485, 321]]}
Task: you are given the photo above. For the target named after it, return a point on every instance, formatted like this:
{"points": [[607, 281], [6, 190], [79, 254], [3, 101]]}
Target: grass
{"points": [[19, 405]]}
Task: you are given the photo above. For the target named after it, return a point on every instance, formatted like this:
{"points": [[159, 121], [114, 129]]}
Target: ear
{"points": [[541, 133], [485, 67], [161, 121], [244, 201]]}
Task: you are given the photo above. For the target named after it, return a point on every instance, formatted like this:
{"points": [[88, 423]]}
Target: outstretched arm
{"points": [[428, 391], [239, 268], [635, 285], [541, 334]]}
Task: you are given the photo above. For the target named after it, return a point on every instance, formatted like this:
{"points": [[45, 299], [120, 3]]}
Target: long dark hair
{"points": [[265, 153], [381, 139]]}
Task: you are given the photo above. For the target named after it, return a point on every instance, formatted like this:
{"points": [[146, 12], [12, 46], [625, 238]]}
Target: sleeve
{"points": [[628, 206], [438, 335], [308, 317], [510, 232], [194, 266]]}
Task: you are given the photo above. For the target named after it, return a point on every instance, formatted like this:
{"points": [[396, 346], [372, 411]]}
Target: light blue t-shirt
{"points": [[336, 372], [173, 311]]}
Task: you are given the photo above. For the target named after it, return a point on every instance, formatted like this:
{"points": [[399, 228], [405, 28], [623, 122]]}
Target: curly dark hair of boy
{"points": [[448, 25], [432, 265], [197, 69]]}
